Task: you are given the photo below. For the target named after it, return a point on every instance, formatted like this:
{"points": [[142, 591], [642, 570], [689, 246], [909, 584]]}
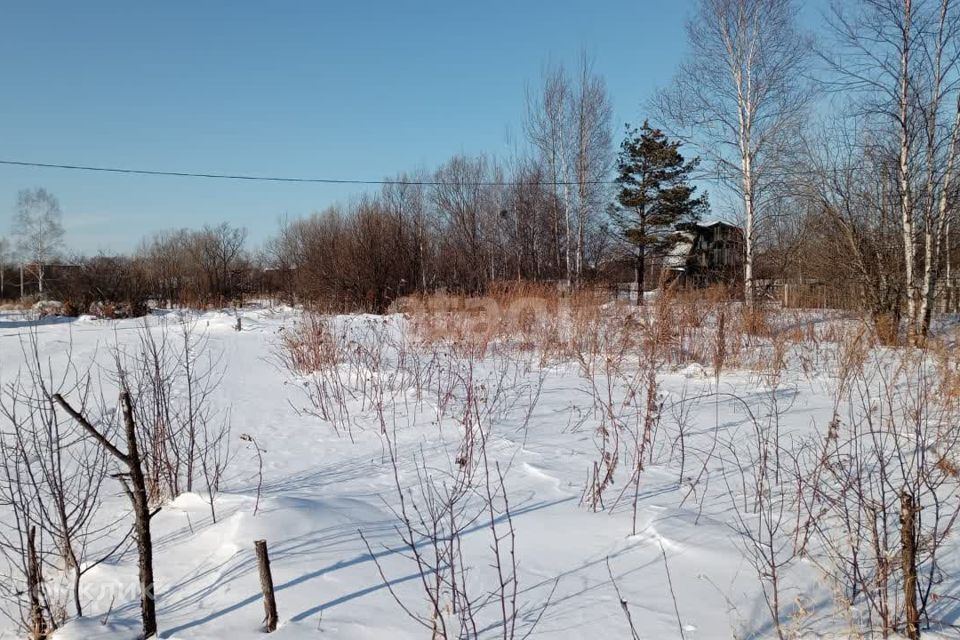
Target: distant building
{"points": [[710, 253]]}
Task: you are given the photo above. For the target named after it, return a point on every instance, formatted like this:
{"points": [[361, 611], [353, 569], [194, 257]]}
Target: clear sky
{"points": [[348, 89]]}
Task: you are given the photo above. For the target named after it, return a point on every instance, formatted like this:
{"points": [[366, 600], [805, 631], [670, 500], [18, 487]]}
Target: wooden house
{"points": [[707, 254]]}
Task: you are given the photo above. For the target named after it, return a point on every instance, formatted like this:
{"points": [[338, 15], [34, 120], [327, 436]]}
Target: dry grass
{"points": [[947, 362], [310, 345], [756, 321], [521, 317], [710, 327], [15, 305], [622, 350], [679, 327]]}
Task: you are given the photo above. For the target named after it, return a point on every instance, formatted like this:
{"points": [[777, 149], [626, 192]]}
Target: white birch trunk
{"points": [[936, 240], [566, 199], [748, 203], [583, 132], [749, 185], [904, 175]]}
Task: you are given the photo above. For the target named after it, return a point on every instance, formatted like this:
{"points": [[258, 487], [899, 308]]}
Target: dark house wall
{"points": [[716, 255]]}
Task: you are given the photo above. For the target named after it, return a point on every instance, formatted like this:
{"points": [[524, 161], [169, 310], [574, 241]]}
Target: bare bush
{"points": [[888, 493], [51, 481], [447, 503], [174, 375]]}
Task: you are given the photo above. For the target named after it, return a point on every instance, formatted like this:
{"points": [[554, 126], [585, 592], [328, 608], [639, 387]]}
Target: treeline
{"points": [[198, 268], [472, 221], [460, 229], [839, 158]]}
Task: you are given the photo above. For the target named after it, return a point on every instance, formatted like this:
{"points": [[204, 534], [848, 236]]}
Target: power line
{"points": [[254, 178], [779, 174]]}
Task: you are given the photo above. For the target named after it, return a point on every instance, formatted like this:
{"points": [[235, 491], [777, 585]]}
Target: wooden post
{"points": [[908, 543], [266, 585]]}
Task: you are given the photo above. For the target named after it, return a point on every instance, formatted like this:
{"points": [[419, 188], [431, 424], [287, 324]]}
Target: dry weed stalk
{"points": [[446, 504], [886, 459]]}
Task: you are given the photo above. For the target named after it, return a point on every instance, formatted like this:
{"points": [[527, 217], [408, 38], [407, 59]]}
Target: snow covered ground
{"points": [[684, 573]]}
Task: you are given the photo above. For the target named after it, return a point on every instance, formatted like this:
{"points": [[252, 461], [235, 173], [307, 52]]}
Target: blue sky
{"points": [[355, 89]]}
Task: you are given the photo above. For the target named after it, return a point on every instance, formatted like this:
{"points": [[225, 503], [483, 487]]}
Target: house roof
{"points": [[711, 224], [714, 223], [676, 258]]}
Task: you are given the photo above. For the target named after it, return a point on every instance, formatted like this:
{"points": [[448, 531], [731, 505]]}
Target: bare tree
{"points": [[548, 130], [467, 207], [38, 227], [568, 124], [4, 259], [880, 489], [740, 97], [530, 205], [592, 156], [135, 486], [60, 469], [174, 375], [851, 237], [167, 264], [218, 254], [899, 63], [406, 201]]}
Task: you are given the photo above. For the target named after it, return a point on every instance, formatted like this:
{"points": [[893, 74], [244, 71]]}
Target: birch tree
{"points": [[740, 97], [568, 125], [38, 227], [592, 156], [547, 129], [940, 152], [899, 61], [406, 201]]}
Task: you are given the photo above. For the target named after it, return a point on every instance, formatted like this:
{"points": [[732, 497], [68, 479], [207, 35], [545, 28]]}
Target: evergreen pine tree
{"points": [[654, 195]]}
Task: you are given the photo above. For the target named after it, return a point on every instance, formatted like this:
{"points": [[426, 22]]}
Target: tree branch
{"points": [[89, 428]]}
